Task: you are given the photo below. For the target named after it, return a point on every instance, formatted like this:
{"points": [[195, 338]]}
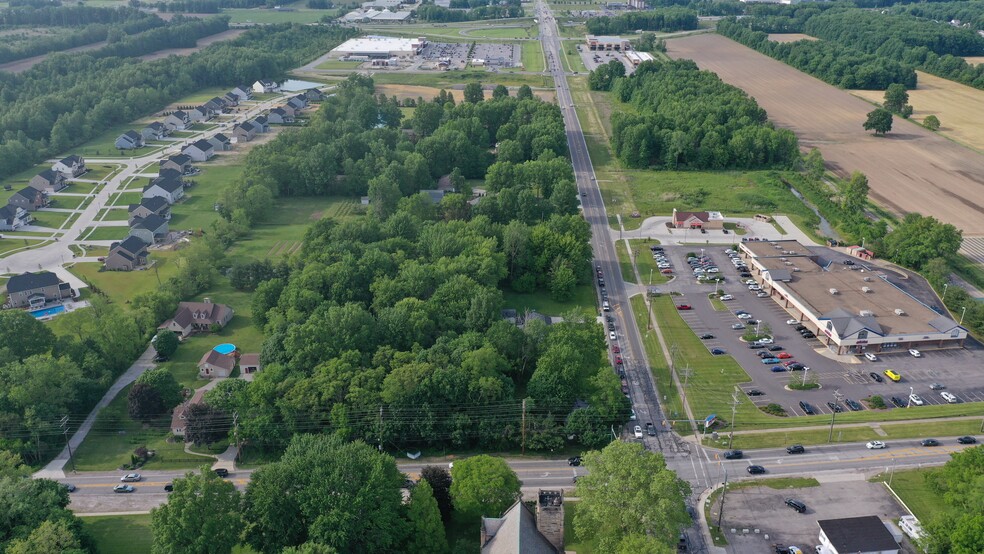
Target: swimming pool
{"points": [[225, 348], [47, 311]]}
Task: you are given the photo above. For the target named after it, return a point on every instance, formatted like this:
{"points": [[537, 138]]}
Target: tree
{"points": [[201, 516], [50, 536], [931, 122], [500, 91], [814, 164], [205, 424], [562, 283], [22, 335], [917, 239], [896, 98], [474, 93], [439, 479], [144, 403], [166, 343], [609, 511], [427, 531], [164, 382], [879, 121], [960, 529], [855, 194], [524, 93], [483, 486]]}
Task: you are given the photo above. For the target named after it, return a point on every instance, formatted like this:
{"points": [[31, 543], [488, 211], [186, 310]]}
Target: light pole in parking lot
{"points": [[837, 399], [911, 392]]}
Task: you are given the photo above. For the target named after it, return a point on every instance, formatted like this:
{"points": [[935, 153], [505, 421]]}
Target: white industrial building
{"points": [[856, 535], [375, 16], [375, 47]]}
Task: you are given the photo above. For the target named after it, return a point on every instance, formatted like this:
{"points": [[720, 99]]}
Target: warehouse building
{"points": [[377, 47]]}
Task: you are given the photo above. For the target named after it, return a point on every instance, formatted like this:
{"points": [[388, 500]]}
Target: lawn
{"points": [[267, 16], [53, 220], [915, 491], [113, 214], [648, 270], [531, 31], [338, 64], [79, 188], [105, 233], [628, 274], [98, 172], [126, 198], [293, 216], [121, 286], [584, 300], [573, 58], [532, 56], [197, 209], [448, 78], [894, 431], [103, 145], [9, 244], [200, 96], [571, 544], [129, 534]]}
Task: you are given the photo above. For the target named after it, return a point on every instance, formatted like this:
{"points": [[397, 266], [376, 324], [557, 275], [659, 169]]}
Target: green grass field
{"points": [[121, 286], [126, 198], [648, 270], [53, 220], [628, 275], [113, 214], [338, 64], [448, 78], [105, 233], [266, 16], [103, 145], [98, 172], [10, 244], [282, 236], [128, 534], [504, 32], [892, 432], [533, 56], [915, 491], [584, 301], [197, 209], [571, 542]]}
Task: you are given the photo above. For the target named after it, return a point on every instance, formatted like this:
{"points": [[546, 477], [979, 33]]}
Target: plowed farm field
{"points": [[909, 170]]}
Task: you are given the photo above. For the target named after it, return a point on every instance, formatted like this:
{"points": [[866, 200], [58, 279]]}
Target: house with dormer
{"points": [[130, 140], [243, 92], [170, 190], [29, 198], [199, 151], [126, 255], [151, 229], [220, 142], [34, 290], [156, 205], [198, 317], [244, 132], [154, 131], [264, 86], [279, 115], [178, 162], [71, 166], [13, 217], [48, 181], [177, 121]]}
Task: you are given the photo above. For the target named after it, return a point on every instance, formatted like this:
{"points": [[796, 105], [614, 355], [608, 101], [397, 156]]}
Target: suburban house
{"points": [[178, 162], [126, 255], [249, 363], [299, 102], [29, 198], [150, 229], [34, 290], [263, 86], [279, 115], [697, 220], [292, 111], [243, 92], [72, 166], [177, 121], [13, 217], [244, 132], [198, 317], [199, 151], [220, 142], [129, 140], [261, 124], [314, 95], [169, 189], [154, 131], [217, 105], [48, 180], [216, 366], [178, 415], [200, 113], [519, 531], [231, 99], [156, 205]]}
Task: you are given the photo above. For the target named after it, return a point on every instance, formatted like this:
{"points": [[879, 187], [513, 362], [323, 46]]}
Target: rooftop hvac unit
{"points": [[899, 311], [783, 259], [867, 313], [865, 289], [833, 291], [788, 263], [796, 269], [867, 279]]}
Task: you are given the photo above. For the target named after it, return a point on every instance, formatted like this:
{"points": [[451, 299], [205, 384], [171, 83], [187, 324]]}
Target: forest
{"points": [[208, 6], [687, 118], [430, 12], [968, 13], [71, 98], [664, 20], [893, 36], [828, 61]]}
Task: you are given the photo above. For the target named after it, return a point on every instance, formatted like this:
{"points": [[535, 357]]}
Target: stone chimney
{"points": [[550, 517]]}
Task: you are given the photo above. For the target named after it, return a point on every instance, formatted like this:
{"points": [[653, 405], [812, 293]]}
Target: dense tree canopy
{"points": [[483, 486], [662, 19], [960, 528], [201, 516], [918, 239]]}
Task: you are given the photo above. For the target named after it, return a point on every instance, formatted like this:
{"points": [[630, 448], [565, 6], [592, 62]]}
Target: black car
{"points": [[717, 351], [609, 318], [796, 505], [574, 461], [169, 487], [221, 472], [835, 407], [807, 409], [809, 335], [930, 442], [848, 262], [650, 429], [733, 455], [796, 367], [611, 326], [853, 405], [755, 346], [764, 354], [898, 402], [754, 392], [775, 348], [706, 336], [876, 377], [967, 440], [158, 358], [801, 328], [795, 449], [756, 470]]}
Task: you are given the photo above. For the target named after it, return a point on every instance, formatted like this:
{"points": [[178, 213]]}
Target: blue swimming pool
{"points": [[48, 311], [225, 348]]}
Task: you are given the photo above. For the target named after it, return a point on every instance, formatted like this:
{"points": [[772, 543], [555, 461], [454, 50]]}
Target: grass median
{"points": [[624, 262]]}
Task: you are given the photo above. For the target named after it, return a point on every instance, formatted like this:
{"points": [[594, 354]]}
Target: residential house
{"points": [[216, 366], [34, 290], [279, 115], [300, 101], [13, 217], [434, 195], [200, 113], [156, 205], [178, 162], [195, 317], [72, 166], [697, 220], [292, 111], [129, 140], [518, 531], [217, 105], [178, 415], [150, 229], [220, 142], [199, 151], [48, 180], [177, 121], [263, 86], [231, 99], [126, 255], [170, 190], [314, 95], [244, 132], [243, 92], [261, 123], [154, 131], [249, 363], [29, 198]]}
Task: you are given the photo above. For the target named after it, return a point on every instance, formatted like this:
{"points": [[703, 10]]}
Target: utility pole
{"points": [[524, 427], [64, 425], [833, 414], [687, 372], [724, 492], [735, 401]]}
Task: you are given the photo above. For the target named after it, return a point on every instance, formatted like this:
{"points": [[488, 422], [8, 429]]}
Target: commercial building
{"points": [[376, 16], [697, 220], [856, 535], [850, 308], [373, 47], [638, 57], [618, 44]]}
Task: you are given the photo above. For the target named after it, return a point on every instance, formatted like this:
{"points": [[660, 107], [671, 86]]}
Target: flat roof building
{"points": [[856, 535], [380, 47], [377, 16], [850, 308], [608, 43]]}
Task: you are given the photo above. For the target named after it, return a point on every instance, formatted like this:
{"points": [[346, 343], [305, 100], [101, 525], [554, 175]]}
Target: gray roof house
{"points": [[243, 92], [129, 140], [290, 110], [48, 180], [13, 217], [194, 317], [34, 290], [156, 205], [279, 115], [126, 255], [71, 166], [29, 198], [261, 123], [244, 132], [299, 101], [178, 162], [177, 121], [220, 142], [169, 189], [200, 150], [150, 229], [200, 113], [518, 531], [154, 131], [314, 95], [231, 99]]}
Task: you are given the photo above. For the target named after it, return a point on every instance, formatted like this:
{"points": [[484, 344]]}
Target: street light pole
{"points": [[945, 286], [911, 392], [833, 415], [650, 276], [963, 311]]}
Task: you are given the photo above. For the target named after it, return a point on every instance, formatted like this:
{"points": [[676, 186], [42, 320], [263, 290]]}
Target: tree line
{"points": [[208, 6], [968, 13], [687, 118], [663, 19], [68, 16], [430, 12]]}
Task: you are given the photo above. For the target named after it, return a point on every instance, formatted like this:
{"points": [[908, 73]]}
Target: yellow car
{"points": [[893, 375]]}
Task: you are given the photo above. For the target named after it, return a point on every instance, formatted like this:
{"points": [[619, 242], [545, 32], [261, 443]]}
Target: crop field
{"points": [[910, 170], [959, 108], [267, 16], [789, 37]]}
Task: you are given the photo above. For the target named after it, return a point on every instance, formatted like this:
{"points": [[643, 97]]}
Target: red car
{"points": [[618, 360], [683, 307], [616, 349], [666, 271], [784, 355]]}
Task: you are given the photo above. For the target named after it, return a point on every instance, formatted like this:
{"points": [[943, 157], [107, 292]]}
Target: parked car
{"points": [[778, 368], [744, 316], [756, 470], [684, 307], [876, 377], [761, 294], [795, 366], [800, 328], [916, 399], [123, 488], [650, 429], [949, 397], [796, 448], [835, 407], [967, 440], [611, 335], [765, 354], [706, 336], [784, 356], [807, 408], [754, 392], [853, 405], [930, 442], [727, 297], [808, 335], [130, 478], [766, 340], [937, 386], [796, 505], [875, 445], [871, 357], [717, 351], [733, 454], [915, 353], [893, 375], [769, 361], [755, 346], [898, 402], [775, 348], [738, 326], [616, 349], [792, 322], [637, 431]]}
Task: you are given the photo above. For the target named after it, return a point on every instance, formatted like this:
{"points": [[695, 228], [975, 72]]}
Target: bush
{"points": [[876, 402], [774, 409]]}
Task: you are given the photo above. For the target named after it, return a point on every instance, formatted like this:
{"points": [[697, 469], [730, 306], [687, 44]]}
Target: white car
{"points": [[792, 322], [611, 335], [870, 357], [761, 294], [727, 297], [875, 445], [632, 414], [754, 287], [915, 353], [749, 281], [949, 397], [744, 316], [637, 431], [916, 399], [765, 341], [130, 478]]}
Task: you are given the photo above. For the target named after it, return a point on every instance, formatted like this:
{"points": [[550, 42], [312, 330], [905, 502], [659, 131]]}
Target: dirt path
{"points": [[27, 63]]}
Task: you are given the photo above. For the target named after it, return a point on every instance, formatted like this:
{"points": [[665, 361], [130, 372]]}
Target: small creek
{"points": [[825, 227]]}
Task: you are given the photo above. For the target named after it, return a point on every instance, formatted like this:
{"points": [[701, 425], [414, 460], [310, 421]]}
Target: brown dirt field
{"points": [[959, 108], [910, 170], [403, 92], [790, 37], [974, 60], [202, 43]]}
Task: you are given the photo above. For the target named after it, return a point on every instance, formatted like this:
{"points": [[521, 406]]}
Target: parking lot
{"points": [[498, 55], [958, 370]]}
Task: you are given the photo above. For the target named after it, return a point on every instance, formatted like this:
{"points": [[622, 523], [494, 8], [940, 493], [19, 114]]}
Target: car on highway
{"points": [[756, 470], [684, 307], [784, 356], [717, 351], [770, 361], [835, 407], [650, 429], [733, 454], [796, 448], [611, 335], [893, 375], [967, 440], [807, 408], [898, 402], [936, 386], [637, 431], [949, 397], [871, 357], [616, 349], [916, 399], [875, 445], [877, 378], [130, 478], [796, 505], [738, 326], [915, 353], [853, 405], [574, 461], [706, 336], [168, 487], [778, 368], [929, 442], [611, 326], [754, 392], [123, 488], [69, 487]]}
